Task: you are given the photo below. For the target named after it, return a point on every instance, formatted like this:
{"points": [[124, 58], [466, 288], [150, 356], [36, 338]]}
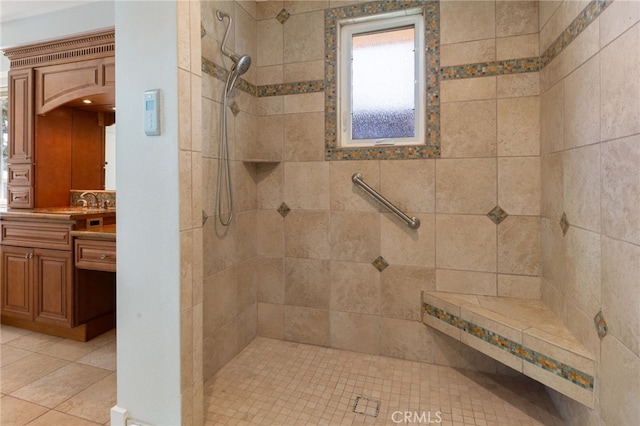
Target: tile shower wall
{"points": [[230, 263], [590, 143], [315, 279]]}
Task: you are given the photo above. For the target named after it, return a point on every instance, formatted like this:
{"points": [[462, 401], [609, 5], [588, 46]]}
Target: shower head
{"points": [[242, 63]]}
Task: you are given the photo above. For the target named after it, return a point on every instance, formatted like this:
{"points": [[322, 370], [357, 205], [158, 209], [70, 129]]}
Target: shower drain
{"points": [[367, 406]]}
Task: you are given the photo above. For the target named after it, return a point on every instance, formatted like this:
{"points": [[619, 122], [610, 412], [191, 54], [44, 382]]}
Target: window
{"points": [[4, 141], [381, 87]]}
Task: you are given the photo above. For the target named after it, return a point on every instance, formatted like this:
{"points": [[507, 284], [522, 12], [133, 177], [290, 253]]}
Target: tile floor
{"points": [[272, 382], [47, 381]]}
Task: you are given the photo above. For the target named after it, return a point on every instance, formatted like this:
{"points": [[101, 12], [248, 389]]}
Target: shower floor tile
{"points": [[273, 382]]}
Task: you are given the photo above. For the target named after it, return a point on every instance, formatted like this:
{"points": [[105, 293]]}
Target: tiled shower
{"points": [[536, 117]]}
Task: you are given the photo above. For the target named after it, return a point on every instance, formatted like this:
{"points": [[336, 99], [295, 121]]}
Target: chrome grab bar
{"points": [[412, 222]]}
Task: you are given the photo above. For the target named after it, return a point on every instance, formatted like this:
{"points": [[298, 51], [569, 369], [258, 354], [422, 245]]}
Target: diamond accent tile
{"points": [[380, 264], [235, 109], [564, 224], [497, 215], [283, 209], [601, 324], [203, 32], [283, 16]]}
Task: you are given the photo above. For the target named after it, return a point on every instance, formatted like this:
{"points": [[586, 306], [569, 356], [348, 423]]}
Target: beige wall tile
{"points": [[468, 53], [409, 184], [306, 234], [244, 186], [305, 102], [270, 233], [355, 332], [269, 141], [270, 288], [519, 245], [344, 194], [406, 339], [552, 73], [306, 325], [468, 89], [620, 296], [618, 372], [269, 75], [582, 48], [304, 137], [519, 286], [621, 189], [268, 9], [552, 29], [466, 282], [355, 287], [304, 71], [355, 236], [307, 282], [582, 105], [581, 325], [620, 104], [271, 320], [219, 347], [296, 6], [465, 242], [269, 185], [466, 185], [616, 19], [515, 47], [519, 126], [519, 185], [516, 18], [466, 21], [400, 290], [270, 43], [270, 105], [401, 245], [304, 37], [552, 252], [551, 119], [305, 185], [245, 235], [582, 269], [220, 300], [455, 354], [582, 186], [517, 85], [551, 171], [468, 129], [247, 324]]}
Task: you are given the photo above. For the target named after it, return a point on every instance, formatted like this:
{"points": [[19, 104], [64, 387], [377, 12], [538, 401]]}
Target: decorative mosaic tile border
{"points": [[545, 362], [219, 72], [432, 37], [485, 69]]}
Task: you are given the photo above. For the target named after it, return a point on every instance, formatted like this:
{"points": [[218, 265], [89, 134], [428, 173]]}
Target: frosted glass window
{"points": [[382, 81], [383, 85]]}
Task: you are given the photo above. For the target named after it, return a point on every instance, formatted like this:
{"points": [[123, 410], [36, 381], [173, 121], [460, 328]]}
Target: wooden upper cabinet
{"points": [[57, 85], [20, 116]]}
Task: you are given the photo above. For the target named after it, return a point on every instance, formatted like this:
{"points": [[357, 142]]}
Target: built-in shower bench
{"points": [[520, 333]]}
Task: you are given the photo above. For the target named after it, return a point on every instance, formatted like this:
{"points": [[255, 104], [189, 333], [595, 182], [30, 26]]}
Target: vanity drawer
{"points": [[96, 255], [20, 175], [20, 197], [35, 234]]}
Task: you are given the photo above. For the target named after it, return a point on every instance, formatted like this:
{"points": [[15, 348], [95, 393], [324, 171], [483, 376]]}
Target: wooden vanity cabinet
{"points": [[41, 288]]}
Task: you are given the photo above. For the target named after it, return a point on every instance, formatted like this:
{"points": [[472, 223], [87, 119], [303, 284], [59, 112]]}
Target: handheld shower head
{"points": [[242, 63]]}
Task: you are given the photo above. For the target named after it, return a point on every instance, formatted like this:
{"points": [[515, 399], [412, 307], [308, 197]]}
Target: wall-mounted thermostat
{"points": [[152, 112]]}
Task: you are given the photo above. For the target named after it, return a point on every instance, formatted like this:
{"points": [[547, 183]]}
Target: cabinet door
{"points": [[17, 299], [53, 281], [20, 116]]}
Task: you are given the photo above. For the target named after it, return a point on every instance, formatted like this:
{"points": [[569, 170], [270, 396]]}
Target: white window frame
{"points": [[375, 23]]}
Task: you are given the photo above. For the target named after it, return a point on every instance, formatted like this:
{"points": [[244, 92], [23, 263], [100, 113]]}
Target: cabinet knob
{"points": [[103, 257]]}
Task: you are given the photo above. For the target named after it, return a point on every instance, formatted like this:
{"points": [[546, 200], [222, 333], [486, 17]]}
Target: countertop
{"points": [[105, 233], [56, 213]]}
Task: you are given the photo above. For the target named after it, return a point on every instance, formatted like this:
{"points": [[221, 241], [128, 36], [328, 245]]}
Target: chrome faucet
{"points": [[95, 198]]}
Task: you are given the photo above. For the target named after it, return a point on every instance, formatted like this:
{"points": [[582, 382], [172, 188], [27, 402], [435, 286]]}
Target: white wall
{"points": [[148, 297]]}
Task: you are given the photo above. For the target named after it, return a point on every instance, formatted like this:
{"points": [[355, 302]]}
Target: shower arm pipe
{"points": [[221, 15], [412, 222]]}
